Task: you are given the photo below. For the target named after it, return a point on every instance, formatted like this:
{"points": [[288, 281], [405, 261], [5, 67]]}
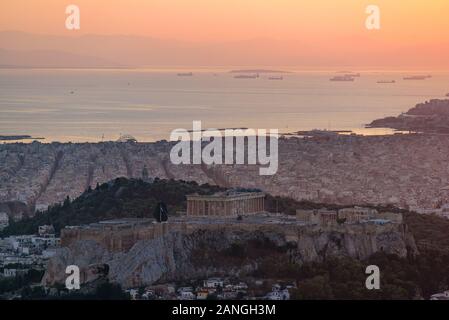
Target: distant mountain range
{"points": [[20, 49], [50, 59], [36, 50]]}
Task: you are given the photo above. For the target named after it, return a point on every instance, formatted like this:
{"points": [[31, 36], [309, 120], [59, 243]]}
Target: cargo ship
{"points": [[416, 78], [247, 76], [342, 78], [185, 74], [353, 75], [386, 81]]}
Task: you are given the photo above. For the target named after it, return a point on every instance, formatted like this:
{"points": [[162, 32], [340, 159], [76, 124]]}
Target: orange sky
{"points": [[294, 23]]}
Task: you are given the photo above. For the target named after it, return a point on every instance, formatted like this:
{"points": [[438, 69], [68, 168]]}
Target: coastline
{"points": [[360, 132]]}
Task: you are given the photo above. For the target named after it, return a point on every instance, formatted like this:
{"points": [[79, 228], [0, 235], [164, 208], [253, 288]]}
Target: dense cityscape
{"points": [[406, 170]]}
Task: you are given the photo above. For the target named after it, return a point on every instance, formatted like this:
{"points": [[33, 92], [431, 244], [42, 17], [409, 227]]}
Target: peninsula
{"points": [[428, 117]]}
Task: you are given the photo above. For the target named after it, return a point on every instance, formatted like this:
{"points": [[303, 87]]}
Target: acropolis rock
{"points": [[179, 250]]}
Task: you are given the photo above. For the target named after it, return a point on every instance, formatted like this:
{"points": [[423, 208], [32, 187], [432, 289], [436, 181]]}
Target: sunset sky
{"points": [[407, 26]]}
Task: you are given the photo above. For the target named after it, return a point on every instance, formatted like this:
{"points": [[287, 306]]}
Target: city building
{"points": [[12, 273], [46, 230], [213, 283], [202, 295]]}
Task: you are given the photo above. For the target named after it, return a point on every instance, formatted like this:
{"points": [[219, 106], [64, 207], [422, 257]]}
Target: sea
{"points": [[91, 105]]}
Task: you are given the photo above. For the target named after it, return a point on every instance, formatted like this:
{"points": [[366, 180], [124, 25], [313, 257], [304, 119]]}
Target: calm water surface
{"points": [[91, 105]]}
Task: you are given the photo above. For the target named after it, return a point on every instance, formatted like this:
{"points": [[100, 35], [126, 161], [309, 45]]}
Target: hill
{"points": [[429, 117], [403, 278], [120, 198], [132, 198]]}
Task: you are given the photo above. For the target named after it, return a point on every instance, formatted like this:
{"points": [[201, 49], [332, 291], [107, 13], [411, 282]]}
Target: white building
{"points": [[18, 260], [148, 294], [187, 295], [241, 286], [278, 295], [185, 289], [213, 283], [440, 296], [28, 244], [11, 273]]}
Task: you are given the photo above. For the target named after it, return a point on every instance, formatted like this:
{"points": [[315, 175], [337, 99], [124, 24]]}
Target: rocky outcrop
{"points": [[207, 250], [87, 255]]}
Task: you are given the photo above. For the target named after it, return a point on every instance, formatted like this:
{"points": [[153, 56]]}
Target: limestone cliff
{"points": [[206, 250]]}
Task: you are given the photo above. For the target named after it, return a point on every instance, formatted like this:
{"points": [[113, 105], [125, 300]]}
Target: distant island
{"points": [[18, 137], [428, 117], [258, 71]]}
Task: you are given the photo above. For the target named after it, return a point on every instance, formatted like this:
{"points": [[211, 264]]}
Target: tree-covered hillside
{"points": [[133, 198], [120, 198]]}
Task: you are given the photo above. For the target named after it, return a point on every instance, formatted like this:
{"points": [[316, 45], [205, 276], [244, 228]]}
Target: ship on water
{"points": [[417, 77], [353, 75], [185, 74], [342, 78], [386, 81], [276, 78], [247, 76]]}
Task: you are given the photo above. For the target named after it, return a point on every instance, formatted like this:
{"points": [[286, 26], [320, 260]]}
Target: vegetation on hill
{"points": [[431, 232], [344, 277], [120, 198], [133, 198], [15, 283]]}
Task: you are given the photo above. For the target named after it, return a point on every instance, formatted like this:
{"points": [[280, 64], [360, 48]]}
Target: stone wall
{"points": [[119, 240]]}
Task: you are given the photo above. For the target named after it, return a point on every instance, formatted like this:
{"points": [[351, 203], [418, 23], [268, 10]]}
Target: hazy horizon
{"points": [[23, 49]]}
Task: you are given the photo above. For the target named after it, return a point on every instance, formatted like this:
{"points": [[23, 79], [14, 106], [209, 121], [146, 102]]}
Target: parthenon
{"points": [[229, 203]]}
